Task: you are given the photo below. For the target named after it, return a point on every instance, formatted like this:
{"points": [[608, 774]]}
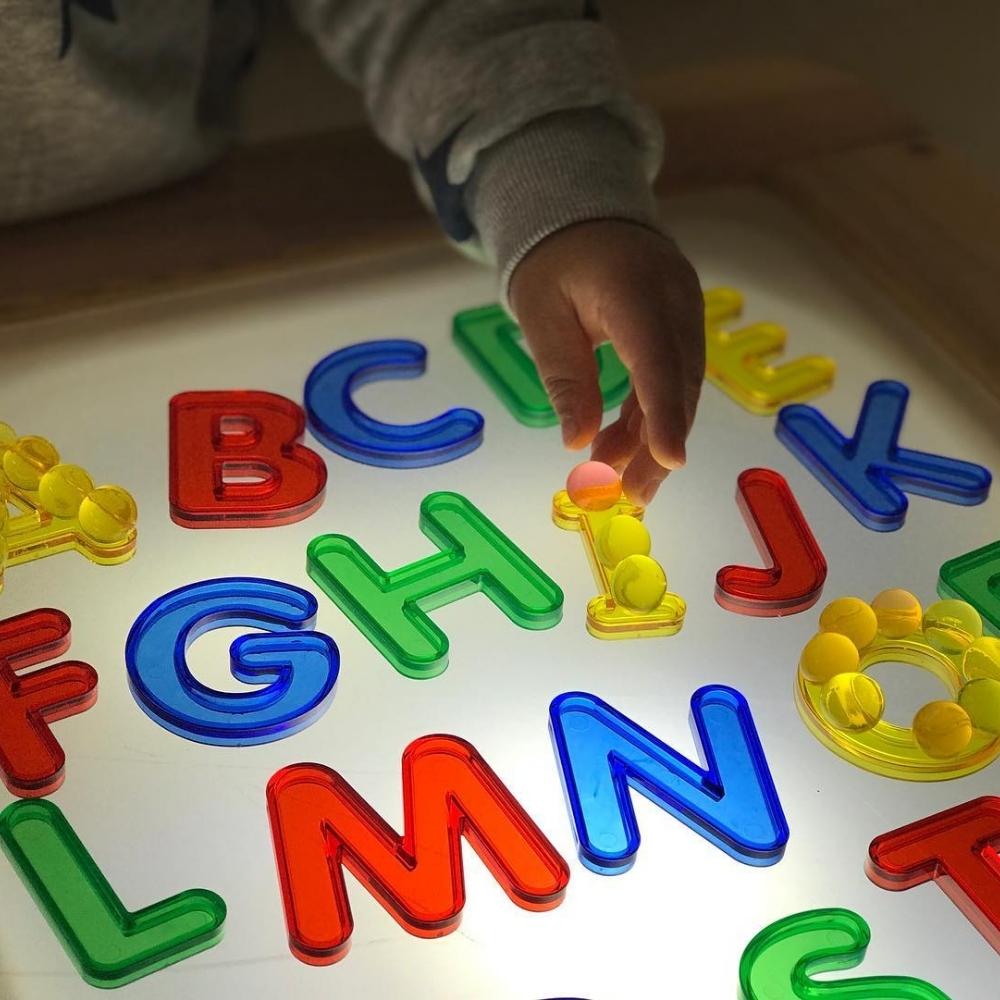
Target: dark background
{"points": [[937, 59]]}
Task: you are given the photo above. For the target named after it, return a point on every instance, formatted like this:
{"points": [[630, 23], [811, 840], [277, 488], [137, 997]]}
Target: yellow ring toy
{"points": [[843, 707]]}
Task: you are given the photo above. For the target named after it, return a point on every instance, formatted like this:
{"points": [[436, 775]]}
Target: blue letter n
{"points": [[732, 802]]}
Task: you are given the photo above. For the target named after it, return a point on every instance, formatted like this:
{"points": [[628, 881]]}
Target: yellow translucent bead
{"points": [[7, 435], [852, 702], [827, 654], [942, 728], [621, 537], [63, 489], [639, 583], [981, 699], [108, 514], [852, 617], [982, 659], [950, 626], [27, 460], [897, 612]]}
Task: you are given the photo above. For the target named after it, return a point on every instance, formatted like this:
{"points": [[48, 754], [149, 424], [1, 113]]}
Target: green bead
{"points": [[981, 699], [952, 626], [982, 659]]}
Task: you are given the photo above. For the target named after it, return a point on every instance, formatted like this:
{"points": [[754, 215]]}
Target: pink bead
{"points": [[594, 486]]}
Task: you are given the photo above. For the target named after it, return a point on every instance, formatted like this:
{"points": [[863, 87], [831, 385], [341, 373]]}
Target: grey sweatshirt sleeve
{"points": [[514, 114]]}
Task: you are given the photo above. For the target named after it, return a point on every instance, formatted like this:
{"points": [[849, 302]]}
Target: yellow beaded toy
{"points": [[59, 507], [634, 601], [844, 707]]}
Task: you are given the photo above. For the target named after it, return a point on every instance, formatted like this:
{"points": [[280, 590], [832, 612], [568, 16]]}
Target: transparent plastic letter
{"points": [[796, 570], [32, 762], [869, 473], [602, 754], [296, 670], [321, 825], [343, 427], [738, 361], [957, 849], [109, 945], [236, 461], [781, 960], [391, 606]]}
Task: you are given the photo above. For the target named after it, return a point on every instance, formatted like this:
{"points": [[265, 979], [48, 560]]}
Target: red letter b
{"points": [[236, 461]]}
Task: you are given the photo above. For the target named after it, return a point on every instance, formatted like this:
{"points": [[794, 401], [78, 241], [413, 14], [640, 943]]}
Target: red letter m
{"points": [[319, 824]]}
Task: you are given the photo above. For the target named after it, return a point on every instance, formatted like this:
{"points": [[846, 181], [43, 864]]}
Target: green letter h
{"points": [[391, 608]]}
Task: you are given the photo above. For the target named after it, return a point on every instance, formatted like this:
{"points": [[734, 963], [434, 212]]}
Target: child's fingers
{"points": [[618, 442], [694, 368], [662, 340], [608, 280], [623, 445], [564, 356], [643, 476]]}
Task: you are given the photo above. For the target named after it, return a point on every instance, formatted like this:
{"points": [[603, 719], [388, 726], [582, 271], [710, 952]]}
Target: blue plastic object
{"points": [[732, 803], [299, 668], [338, 422], [869, 473]]}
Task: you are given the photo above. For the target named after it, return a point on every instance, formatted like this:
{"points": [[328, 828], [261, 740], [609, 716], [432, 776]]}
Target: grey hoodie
{"points": [[513, 114]]}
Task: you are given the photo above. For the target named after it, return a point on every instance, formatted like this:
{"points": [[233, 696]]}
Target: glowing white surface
{"points": [[161, 814]]}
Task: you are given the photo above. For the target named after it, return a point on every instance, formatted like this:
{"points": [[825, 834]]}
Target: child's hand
{"points": [[617, 281]]}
